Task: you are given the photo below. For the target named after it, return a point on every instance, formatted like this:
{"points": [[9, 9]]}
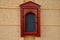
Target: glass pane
{"points": [[30, 22]]}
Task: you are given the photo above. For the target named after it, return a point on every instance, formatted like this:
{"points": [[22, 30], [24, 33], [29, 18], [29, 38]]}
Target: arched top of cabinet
{"points": [[29, 3]]}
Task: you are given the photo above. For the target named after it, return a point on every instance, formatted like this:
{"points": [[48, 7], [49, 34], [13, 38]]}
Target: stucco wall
{"points": [[10, 19]]}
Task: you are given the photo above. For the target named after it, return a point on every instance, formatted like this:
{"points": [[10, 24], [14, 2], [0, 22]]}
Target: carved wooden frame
{"points": [[24, 9]]}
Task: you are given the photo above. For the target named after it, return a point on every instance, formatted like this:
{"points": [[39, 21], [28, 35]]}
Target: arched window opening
{"points": [[30, 22]]}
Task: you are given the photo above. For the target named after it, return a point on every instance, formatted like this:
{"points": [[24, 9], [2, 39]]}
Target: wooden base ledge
{"points": [[29, 38]]}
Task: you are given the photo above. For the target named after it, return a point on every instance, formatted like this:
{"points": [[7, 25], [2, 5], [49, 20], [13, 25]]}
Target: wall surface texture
{"points": [[10, 19]]}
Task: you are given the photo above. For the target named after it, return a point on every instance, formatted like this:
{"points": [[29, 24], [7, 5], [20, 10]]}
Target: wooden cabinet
{"points": [[30, 19]]}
